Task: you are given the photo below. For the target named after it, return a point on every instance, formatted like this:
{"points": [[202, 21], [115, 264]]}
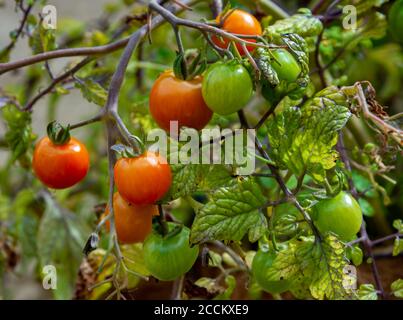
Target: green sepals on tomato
{"points": [[261, 267], [58, 134], [341, 215], [227, 87], [189, 64], [168, 257]]}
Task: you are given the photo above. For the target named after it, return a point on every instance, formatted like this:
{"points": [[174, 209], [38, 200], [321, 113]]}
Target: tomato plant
{"points": [[60, 166], [144, 179], [133, 222], [238, 22], [341, 215], [227, 87], [172, 99], [169, 256]]}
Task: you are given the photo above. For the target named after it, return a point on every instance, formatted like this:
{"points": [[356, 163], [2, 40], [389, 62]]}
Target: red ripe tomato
{"points": [[173, 99], [60, 166], [144, 179], [239, 22], [133, 223]]}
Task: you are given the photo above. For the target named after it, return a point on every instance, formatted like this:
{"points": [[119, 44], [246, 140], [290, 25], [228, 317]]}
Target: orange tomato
{"points": [[143, 179], [133, 223], [60, 166], [181, 100], [239, 22]]}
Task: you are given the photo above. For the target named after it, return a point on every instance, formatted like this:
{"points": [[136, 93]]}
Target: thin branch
{"points": [[375, 272], [344, 158], [97, 118], [20, 29], [174, 20], [84, 51], [177, 288], [386, 238], [240, 262], [56, 81], [366, 241], [318, 62], [265, 117]]}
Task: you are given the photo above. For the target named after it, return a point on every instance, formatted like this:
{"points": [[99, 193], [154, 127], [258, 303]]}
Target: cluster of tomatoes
{"points": [[225, 88]]}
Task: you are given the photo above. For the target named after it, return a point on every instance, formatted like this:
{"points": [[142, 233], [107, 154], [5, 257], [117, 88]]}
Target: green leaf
{"points": [[215, 259], [263, 60], [367, 292], [302, 23], [398, 224], [60, 239], [231, 212], [299, 50], [185, 179], [27, 222], [92, 91], [397, 246], [133, 257], [397, 288], [313, 266], [367, 208], [209, 284], [355, 254], [214, 177], [302, 139], [231, 284], [19, 135]]}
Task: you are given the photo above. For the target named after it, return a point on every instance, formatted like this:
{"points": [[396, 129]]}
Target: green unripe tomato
{"points": [[261, 264], [285, 65], [395, 20], [169, 257], [341, 215], [227, 87]]}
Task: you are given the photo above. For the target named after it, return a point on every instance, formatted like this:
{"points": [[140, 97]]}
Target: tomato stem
{"points": [[162, 221]]}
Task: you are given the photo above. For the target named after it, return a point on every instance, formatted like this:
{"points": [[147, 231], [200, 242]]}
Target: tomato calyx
{"points": [[163, 228], [58, 134], [128, 152], [189, 64]]}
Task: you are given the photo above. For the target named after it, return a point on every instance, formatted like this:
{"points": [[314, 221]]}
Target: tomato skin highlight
{"points": [[167, 258], [239, 22], [286, 66], [60, 166], [181, 100], [144, 179], [261, 264], [227, 87], [341, 215], [133, 222]]}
